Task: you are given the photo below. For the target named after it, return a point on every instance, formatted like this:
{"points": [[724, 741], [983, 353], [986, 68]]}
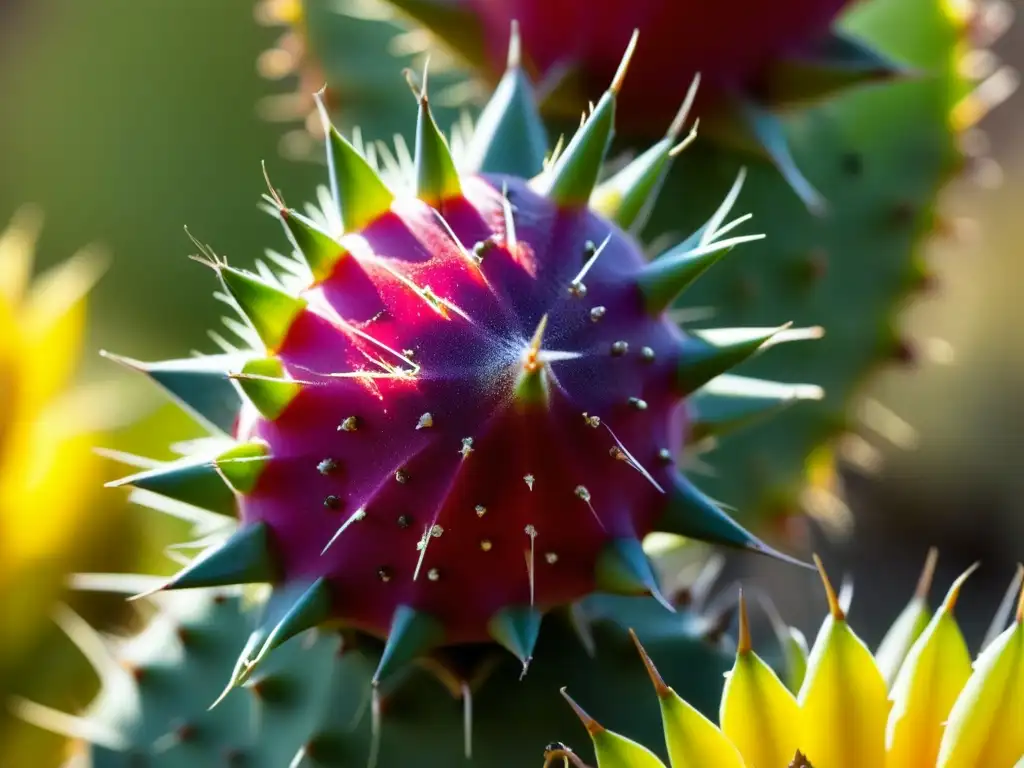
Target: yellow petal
{"points": [[931, 678], [909, 625], [843, 701], [53, 321], [759, 715], [17, 252], [613, 750], [795, 651], [693, 741], [986, 726]]}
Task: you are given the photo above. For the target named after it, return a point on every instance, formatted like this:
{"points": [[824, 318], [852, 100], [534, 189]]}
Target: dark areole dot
{"points": [[852, 163]]}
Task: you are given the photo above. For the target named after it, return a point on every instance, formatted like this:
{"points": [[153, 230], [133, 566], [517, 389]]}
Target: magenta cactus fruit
{"points": [[463, 407], [755, 60], [730, 44]]}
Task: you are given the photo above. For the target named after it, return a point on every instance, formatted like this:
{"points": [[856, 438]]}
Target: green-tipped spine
{"points": [[200, 385], [191, 481], [690, 513], [703, 357], [320, 251], [302, 607], [244, 558], [269, 309], [412, 633], [728, 403], [623, 568], [242, 465], [265, 384], [510, 137], [357, 188], [571, 179], [627, 197], [516, 629], [437, 179]]}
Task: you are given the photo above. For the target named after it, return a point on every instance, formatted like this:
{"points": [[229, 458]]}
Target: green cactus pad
{"points": [[878, 155], [312, 703]]}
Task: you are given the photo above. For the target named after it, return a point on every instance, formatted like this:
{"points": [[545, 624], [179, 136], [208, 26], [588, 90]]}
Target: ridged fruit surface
{"points": [[459, 403]]}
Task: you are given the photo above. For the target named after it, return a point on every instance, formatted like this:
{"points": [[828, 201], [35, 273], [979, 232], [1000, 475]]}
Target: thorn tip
{"points": [[833, 601]]}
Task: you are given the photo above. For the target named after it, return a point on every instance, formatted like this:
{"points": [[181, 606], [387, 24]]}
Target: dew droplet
{"points": [[332, 502], [404, 521], [597, 313], [636, 402], [384, 573], [619, 348], [665, 456], [551, 558], [485, 545], [433, 574], [647, 354], [327, 466], [481, 510], [402, 476]]}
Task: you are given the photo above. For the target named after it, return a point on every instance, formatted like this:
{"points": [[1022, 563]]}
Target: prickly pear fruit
{"points": [[461, 408]]}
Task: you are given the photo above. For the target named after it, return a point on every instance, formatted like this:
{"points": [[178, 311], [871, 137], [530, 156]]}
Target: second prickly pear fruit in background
{"points": [[733, 45]]}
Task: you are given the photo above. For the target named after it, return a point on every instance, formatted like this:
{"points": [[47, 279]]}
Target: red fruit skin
{"points": [[729, 42], [467, 382]]}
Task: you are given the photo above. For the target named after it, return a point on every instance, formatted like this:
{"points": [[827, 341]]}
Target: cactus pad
{"points": [[312, 706]]}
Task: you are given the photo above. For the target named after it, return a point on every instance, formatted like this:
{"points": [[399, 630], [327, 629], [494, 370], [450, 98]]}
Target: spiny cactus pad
{"points": [[880, 156], [939, 711], [311, 706], [462, 408], [852, 264]]}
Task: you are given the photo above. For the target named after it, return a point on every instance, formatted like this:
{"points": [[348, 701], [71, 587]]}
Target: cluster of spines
{"points": [[308, 707], [508, 139]]}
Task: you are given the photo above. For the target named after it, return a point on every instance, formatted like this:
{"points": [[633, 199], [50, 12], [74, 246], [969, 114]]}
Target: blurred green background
{"points": [[126, 120]]}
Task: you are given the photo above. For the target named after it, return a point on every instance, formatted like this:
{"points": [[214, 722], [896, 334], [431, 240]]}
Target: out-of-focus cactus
{"points": [[312, 703], [940, 711], [50, 518], [863, 122]]}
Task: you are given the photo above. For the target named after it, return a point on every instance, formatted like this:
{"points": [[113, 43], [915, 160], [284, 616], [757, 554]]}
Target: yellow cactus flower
{"points": [[48, 470], [938, 713]]}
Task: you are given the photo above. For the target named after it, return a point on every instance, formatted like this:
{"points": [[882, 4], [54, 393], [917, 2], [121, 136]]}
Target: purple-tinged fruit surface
{"points": [[462, 488]]}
